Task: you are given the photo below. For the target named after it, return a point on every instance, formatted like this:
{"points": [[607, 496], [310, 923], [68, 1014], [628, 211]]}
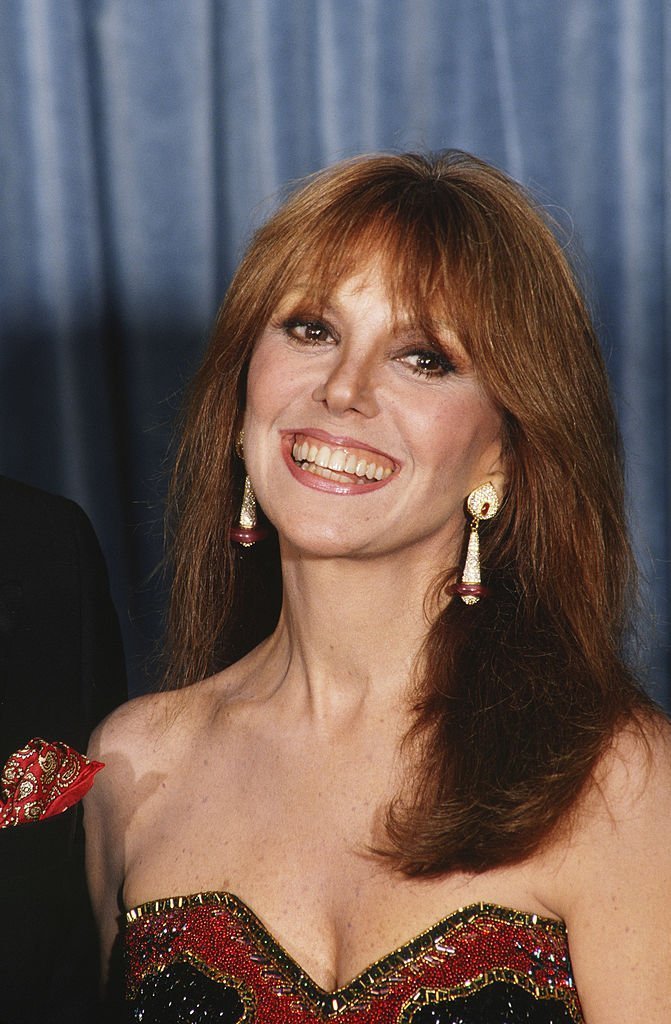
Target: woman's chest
{"points": [[243, 822], [333, 908], [307, 868]]}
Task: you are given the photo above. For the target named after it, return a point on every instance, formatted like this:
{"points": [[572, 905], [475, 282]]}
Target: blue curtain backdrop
{"points": [[141, 140]]}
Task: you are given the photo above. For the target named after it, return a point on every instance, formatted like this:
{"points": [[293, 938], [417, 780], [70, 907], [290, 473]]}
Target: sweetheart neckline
{"points": [[343, 994]]}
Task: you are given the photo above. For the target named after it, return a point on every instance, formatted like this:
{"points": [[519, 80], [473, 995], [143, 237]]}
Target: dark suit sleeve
{"points": [[74, 993], [61, 670], [61, 659]]}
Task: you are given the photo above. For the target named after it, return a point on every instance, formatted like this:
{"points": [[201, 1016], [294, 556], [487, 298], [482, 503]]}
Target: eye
{"points": [[428, 363], [308, 332]]}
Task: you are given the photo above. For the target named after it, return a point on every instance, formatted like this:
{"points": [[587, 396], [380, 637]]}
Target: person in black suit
{"points": [[61, 671]]}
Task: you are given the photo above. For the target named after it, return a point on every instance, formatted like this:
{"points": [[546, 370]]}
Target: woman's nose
{"points": [[348, 387]]}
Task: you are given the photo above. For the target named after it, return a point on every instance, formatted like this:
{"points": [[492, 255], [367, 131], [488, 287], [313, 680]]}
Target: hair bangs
{"points": [[425, 279]]}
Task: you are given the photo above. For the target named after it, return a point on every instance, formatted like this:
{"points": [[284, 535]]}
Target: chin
{"points": [[315, 543]]}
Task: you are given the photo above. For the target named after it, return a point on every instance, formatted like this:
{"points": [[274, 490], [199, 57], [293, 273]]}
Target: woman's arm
{"points": [[617, 874], [108, 812]]}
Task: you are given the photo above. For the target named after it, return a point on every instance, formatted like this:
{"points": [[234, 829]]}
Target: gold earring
{"points": [[248, 531], [482, 503]]}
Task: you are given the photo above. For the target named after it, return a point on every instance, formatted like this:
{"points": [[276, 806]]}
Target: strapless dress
{"points": [[208, 957]]}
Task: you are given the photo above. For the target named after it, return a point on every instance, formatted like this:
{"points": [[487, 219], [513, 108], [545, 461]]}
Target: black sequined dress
{"points": [[207, 958]]}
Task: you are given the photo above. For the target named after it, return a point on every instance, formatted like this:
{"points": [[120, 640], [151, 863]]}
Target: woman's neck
{"points": [[350, 630]]}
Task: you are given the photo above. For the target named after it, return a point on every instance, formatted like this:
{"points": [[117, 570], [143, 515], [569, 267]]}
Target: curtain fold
{"points": [[140, 143]]}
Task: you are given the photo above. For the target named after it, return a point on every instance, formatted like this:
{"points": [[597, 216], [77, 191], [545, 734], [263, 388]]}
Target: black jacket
{"points": [[61, 671]]}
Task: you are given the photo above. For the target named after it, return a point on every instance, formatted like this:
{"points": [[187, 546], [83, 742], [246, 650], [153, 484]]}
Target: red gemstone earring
{"points": [[247, 532], [482, 503]]}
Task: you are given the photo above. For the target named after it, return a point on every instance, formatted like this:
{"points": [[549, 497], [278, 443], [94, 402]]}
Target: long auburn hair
{"points": [[519, 695]]}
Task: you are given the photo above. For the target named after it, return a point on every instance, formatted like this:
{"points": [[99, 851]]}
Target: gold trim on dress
{"points": [[381, 972], [436, 996]]}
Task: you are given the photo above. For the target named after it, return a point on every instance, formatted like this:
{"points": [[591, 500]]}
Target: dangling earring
{"points": [[247, 532], [482, 503]]}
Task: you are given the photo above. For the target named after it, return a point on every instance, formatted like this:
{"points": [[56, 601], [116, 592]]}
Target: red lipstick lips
{"points": [[338, 465]]}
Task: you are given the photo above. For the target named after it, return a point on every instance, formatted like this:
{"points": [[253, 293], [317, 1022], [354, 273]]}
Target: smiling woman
{"points": [[425, 435], [437, 762]]}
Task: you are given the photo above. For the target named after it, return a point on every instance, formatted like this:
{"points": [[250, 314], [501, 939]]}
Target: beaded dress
{"points": [[207, 957]]}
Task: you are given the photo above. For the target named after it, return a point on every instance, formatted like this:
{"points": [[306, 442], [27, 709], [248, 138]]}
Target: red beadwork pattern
{"points": [[466, 951], [43, 779]]}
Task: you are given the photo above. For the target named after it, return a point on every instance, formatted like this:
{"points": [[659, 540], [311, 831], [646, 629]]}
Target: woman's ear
{"points": [[498, 479], [496, 470]]}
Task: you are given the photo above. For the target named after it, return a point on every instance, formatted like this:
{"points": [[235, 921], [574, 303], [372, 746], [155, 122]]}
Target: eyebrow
{"points": [[303, 299], [445, 341]]}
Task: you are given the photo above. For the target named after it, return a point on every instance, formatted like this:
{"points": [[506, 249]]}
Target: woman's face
{"points": [[362, 436]]}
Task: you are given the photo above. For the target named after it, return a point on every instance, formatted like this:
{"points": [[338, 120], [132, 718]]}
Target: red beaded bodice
{"points": [[208, 957]]}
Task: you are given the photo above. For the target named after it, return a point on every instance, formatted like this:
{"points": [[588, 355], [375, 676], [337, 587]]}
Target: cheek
{"points": [[271, 392], [271, 384], [259, 380], [463, 437]]}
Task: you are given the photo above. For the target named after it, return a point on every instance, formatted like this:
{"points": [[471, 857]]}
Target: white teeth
{"points": [[312, 467], [323, 456], [337, 464]]}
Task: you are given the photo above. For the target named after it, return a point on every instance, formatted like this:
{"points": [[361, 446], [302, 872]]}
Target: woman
{"points": [[403, 366]]}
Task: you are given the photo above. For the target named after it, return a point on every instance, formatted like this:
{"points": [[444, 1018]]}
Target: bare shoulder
{"points": [[626, 810], [147, 738], [633, 780], [147, 747], [131, 732], [138, 744], [616, 879]]}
